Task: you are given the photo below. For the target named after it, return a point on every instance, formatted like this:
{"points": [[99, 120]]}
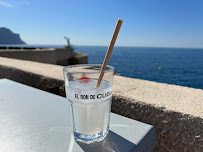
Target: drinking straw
{"points": [[108, 53]]}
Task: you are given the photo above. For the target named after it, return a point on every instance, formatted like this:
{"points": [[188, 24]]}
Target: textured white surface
{"points": [[172, 97]]}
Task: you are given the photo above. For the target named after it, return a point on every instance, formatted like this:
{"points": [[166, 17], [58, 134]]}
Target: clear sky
{"points": [[162, 23]]}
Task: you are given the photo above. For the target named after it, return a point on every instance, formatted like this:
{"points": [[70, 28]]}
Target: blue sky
{"points": [[157, 23]]}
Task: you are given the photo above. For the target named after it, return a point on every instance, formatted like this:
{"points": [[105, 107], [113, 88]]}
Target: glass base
{"points": [[88, 139]]}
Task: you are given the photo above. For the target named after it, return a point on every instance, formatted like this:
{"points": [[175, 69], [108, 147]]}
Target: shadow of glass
{"points": [[112, 143]]}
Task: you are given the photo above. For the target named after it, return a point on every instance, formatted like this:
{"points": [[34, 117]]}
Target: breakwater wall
{"points": [[59, 56]]}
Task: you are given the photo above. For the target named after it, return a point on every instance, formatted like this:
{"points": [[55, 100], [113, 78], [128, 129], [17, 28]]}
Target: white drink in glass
{"points": [[90, 109]]}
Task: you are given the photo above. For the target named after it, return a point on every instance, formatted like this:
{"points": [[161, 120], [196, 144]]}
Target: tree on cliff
{"points": [[8, 37]]}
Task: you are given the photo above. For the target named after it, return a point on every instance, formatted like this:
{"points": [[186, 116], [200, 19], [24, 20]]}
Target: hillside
{"points": [[8, 37]]}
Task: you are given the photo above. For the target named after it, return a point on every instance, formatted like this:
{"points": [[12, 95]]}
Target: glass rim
{"points": [[65, 69]]}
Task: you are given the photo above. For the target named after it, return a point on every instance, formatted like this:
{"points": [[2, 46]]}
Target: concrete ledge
{"points": [[175, 111], [33, 74], [170, 97]]}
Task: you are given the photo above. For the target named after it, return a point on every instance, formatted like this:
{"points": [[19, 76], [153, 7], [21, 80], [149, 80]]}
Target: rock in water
{"points": [[8, 37]]}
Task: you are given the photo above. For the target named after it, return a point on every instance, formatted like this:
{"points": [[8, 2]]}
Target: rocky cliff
{"points": [[8, 37]]}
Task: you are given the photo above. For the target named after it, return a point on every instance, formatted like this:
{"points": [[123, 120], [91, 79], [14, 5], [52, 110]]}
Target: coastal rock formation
{"points": [[8, 37]]}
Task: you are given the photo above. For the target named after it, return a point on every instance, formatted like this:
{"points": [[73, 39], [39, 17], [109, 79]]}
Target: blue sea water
{"points": [[181, 66]]}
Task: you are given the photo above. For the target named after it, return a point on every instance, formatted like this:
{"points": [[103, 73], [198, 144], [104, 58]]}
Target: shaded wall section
{"points": [[60, 56]]}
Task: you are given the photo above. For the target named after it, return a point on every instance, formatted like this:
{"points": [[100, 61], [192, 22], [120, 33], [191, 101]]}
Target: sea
{"points": [[180, 66]]}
